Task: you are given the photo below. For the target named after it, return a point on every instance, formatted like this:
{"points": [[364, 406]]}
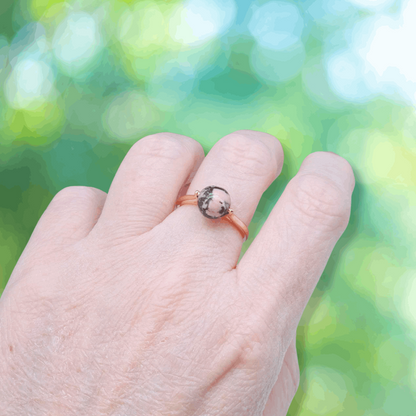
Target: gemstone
{"points": [[214, 202]]}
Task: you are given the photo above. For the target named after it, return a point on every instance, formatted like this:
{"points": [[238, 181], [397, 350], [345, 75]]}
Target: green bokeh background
{"points": [[69, 114]]}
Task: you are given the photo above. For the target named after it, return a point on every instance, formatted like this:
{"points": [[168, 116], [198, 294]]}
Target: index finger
{"points": [[282, 266]]}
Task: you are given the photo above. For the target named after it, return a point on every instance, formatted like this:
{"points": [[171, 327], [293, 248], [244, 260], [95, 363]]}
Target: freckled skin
{"points": [[214, 202]]}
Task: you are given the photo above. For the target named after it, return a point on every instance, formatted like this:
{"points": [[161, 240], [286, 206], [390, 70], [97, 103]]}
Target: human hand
{"points": [[121, 305]]}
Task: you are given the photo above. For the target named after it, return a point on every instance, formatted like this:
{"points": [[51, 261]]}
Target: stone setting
{"points": [[214, 202]]}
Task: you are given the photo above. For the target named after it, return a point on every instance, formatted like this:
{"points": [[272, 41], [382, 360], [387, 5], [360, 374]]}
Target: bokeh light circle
{"points": [[198, 21], [276, 66], [276, 25], [141, 27], [128, 116], [345, 76], [76, 42], [29, 84]]}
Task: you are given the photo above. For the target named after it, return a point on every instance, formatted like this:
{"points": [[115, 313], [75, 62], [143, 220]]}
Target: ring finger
{"points": [[244, 163]]}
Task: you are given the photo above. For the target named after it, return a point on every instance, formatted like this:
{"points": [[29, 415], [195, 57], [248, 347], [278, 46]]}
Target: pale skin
{"points": [[121, 305]]}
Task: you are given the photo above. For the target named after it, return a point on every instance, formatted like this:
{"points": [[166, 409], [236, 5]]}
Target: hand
{"points": [[121, 305]]}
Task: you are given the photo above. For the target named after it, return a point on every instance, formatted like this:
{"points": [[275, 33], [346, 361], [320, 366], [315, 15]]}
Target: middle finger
{"points": [[244, 163]]}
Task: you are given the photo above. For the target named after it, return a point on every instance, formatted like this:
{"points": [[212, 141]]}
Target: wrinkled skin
{"points": [[122, 305]]}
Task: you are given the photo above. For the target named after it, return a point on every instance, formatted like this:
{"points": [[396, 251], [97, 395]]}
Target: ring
{"points": [[213, 203]]}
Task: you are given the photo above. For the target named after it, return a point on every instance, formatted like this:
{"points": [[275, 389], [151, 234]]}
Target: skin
{"points": [[121, 305]]}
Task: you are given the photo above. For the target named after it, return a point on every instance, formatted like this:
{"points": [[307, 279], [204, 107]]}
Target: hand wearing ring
{"points": [[122, 305]]}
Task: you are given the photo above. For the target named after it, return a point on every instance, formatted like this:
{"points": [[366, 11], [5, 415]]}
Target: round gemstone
{"points": [[214, 202]]}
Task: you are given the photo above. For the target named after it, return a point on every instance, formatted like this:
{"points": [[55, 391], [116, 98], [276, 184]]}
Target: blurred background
{"points": [[83, 80]]}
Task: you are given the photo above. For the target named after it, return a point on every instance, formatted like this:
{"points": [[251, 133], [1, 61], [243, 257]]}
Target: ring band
{"points": [[214, 202]]}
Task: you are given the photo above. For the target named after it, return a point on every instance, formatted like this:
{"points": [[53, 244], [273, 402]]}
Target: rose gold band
{"points": [[231, 218]]}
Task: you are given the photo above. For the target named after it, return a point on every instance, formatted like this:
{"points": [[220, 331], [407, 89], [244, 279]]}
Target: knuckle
{"points": [[320, 201], [335, 167], [256, 330], [340, 162], [249, 155], [70, 193], [161, 145]]}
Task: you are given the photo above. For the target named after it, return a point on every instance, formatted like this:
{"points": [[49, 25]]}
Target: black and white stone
{"points": [[214, 202]]}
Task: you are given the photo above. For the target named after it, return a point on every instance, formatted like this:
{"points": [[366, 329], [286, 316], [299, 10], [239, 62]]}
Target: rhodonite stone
{"points": [[214, 202]]}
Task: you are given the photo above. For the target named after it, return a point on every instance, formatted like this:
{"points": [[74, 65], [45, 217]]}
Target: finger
{"points": [[287, 257], [286, 386], [69, 217], [144, 190], [244, 163]]}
